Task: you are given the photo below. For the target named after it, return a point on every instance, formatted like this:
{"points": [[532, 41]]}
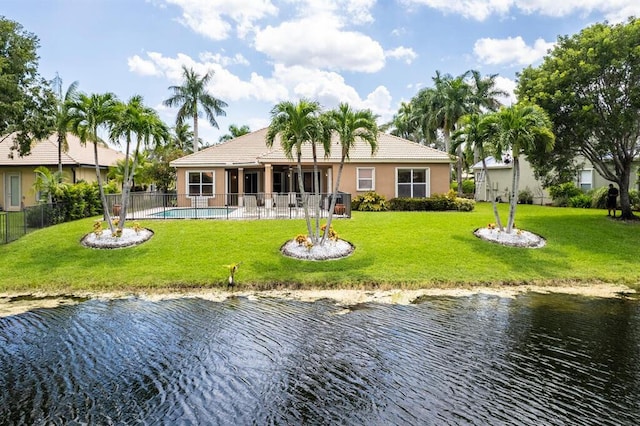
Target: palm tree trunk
{"points": [[513, 202], [334, 196], [195, 132], [305, 201], [493, 198], [316, 184], [103, 198], [60, 154], [459, 170], [125, 187]]}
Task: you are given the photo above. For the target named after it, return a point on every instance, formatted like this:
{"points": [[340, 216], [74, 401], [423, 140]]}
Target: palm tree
{"points": [[523, 129], [62, 115], [192, 93], [484, 92], [350, 126], [296, 124], [134, 118], [234, 132], [88, 115], [49, 184], [474, 133]]}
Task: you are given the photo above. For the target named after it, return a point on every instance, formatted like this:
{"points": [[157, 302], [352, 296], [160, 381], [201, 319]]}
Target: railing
{"points": [[149, 205], [14, 225]]}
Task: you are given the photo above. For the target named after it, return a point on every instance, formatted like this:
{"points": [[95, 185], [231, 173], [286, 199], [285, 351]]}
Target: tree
{"points": [[296, 124], [522, 129], [134, 118], [590, 86], [190, 95], [351, 126], [27, 102], [49, 184], [62, 114], [90, 113], [234, 132], [474, 133]]}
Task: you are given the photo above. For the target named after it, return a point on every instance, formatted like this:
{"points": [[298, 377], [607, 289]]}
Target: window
{"points": [[366, 179], [586, 180], [200, 183], [412, 183]]}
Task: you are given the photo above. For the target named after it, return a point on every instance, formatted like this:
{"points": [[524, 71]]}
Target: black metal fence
{"points": [[14, 225], [148, 205]]}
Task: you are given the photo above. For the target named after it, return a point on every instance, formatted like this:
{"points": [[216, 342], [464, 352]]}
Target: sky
{"points": [[369, 53]]}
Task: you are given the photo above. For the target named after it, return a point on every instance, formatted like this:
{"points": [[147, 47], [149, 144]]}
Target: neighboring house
{"points": [[17, 174], [500, 174], [245, 165]]}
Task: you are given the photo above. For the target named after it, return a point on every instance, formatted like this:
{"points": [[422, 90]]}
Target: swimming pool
{"points": [[194, 213]]}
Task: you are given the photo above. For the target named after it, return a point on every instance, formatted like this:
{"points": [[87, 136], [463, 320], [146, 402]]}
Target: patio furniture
{"points": [[281, 204], [251, 206]]}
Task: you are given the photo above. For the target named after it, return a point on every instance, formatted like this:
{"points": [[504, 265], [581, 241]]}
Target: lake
{"points": [[530, 360]]}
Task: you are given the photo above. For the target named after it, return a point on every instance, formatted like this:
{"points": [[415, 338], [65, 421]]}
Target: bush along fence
{"points": [[372, 201], [149, 205], [14, 225]]}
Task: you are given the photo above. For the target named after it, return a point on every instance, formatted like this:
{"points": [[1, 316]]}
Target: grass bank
{"points": [[407, 250]]}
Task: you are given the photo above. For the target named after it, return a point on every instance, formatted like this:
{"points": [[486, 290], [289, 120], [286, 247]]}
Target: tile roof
{"points": [[251, 149], [45, 153]]}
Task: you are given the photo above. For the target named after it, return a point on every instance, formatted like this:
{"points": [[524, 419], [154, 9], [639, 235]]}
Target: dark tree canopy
{"points": [[590, 86], [26, 101]]}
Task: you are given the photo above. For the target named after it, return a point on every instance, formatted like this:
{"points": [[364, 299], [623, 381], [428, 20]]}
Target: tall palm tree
{"points": [[90, 113], [181, 138], [485, 94], [190, 95], [296, 124], [62, 115], [351, 126], [523, 129], [474, 133], [134, 118], [234, 132]]}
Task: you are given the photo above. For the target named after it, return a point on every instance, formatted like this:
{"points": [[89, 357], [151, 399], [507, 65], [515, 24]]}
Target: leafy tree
{"points": [[522, 129], [27, 102], [62, 114], [296, 124], [590, 86], [190, 95], [89, 114], [234, 132], [351, 126]]}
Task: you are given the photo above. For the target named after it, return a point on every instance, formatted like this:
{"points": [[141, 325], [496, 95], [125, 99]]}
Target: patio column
{"points": [[268, 185], [330, 179], [240, 186]]}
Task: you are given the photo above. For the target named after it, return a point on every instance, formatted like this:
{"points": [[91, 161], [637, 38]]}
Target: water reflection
{"points": [[536, 359]]}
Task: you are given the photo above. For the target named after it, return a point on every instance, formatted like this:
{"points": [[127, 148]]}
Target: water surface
{"points": [[536, 359]]}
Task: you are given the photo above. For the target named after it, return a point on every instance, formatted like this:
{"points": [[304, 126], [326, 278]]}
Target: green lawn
{"points": [[393, 250]]}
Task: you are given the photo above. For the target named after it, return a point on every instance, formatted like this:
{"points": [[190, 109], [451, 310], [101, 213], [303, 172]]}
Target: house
{"points": [[245, 165], [500, 175], [17, 174]]}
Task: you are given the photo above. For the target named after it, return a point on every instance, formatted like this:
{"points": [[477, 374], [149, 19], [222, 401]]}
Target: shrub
{"points": [[369, 202], [599, 198], [560, 194], [465, 204], [437, 202], [468, 186], [582, 201], [525, 196]]}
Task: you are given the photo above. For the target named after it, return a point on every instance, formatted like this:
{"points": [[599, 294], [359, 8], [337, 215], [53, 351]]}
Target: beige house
{"points": [[17, 174], [500, 174], [245, 165]]}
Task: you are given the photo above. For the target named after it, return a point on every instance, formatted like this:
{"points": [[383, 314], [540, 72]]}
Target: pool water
{"points": [[193, 213]]}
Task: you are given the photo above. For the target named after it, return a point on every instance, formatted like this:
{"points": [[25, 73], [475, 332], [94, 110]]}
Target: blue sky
{"points": [[371, 54]]}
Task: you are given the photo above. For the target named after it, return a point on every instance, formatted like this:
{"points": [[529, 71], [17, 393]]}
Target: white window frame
{"points": [[213, 183], [427, 182], [590, 183], [372, 179]]}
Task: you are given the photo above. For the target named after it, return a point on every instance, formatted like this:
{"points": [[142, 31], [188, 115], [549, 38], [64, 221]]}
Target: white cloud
{"points": [[352, 12], [140, 66], [614, 10], [319, 42], [402, 53], [212, 18], [225, 61], [509, 86], [510, 51]]}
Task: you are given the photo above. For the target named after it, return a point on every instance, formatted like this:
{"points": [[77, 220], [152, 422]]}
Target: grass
{"points": [[393, 250]]}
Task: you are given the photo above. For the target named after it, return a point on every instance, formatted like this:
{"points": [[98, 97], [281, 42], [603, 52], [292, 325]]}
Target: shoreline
{"points": [[20, 302]]}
